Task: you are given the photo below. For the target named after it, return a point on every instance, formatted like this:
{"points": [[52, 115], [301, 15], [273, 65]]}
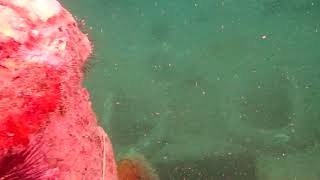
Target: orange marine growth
{"points": [[135, 168]]}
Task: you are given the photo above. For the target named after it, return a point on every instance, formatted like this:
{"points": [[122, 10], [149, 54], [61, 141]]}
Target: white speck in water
{"points": [[222, 28], [165, 157], [163, 12]]}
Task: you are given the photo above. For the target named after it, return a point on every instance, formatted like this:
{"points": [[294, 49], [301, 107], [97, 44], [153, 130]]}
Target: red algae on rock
{"points": [[42, 102]]}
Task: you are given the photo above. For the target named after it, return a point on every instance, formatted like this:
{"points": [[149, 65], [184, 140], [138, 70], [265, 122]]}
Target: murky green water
{"points": [[209, 89]]}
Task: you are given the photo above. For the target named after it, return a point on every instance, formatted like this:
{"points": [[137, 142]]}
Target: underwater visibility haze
{"points": [[208, 89]]}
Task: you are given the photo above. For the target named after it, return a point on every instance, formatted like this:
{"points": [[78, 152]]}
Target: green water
{"points": [[209, 89]]}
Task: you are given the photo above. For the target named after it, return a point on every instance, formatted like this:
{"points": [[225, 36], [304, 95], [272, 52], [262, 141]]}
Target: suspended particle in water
{"points": [[264, 37]]}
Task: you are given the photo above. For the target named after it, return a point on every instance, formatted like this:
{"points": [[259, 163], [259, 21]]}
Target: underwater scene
{"points": [[208, 89]]}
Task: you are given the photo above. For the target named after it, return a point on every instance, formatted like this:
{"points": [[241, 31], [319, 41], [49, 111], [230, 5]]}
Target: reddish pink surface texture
{"points": [[42, 52]]}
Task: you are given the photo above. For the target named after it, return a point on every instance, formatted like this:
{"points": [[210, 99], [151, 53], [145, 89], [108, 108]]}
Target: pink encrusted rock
{"points": [[42, 102]]}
